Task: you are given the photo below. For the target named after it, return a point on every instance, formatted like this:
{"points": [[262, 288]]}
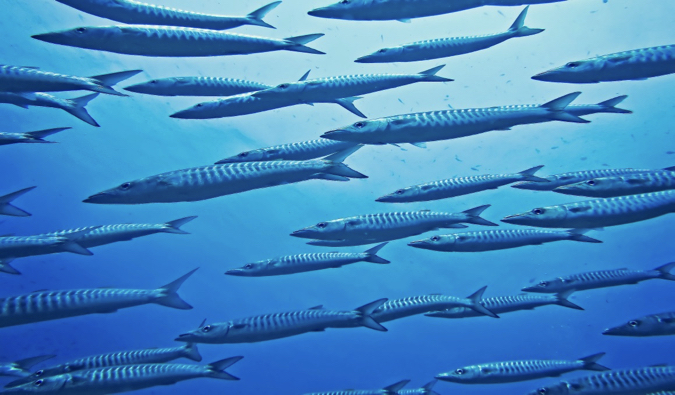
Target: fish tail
{"points": [[664, 271], [169, 296], [366, 318], [6, 207], [256, 17], [26, 364], [474, 216], [79, 111], [340, 169], [190, 351], [430, 75], [348, 104], [578, 235], [174, 226], [395, 388], [528, 175], [40, 134], [297, 43], [5, 267], [610, 105], [476, 305], [518, 27], [590, 362], [372, 254], [563, 301], [216, 369]]}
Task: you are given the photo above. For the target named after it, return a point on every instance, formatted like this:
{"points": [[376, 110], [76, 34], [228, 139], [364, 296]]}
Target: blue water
{"points": [[138, 139]]}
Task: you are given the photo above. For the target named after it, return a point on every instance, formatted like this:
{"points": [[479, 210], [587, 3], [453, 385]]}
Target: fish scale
{"points": [[127, 358], [558, 180], [619, 382], [304, 150], [614, 186]]}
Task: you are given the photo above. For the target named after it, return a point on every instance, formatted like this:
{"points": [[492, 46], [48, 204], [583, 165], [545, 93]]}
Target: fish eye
{"points": [[154, 81], [283, 86], [38, 383], [542, 391], [207, 328], [572, 65], [460, 371], [39, 373], [243, 155], [125, 186], [359, 124], [248, 266], [634, 323], [79, 30], [400, 192], [590, 182], [436, 238], [543, 284], [321, 225], [461, 238], [345, 2], [538, 211], [382, 50], [199, 105]]}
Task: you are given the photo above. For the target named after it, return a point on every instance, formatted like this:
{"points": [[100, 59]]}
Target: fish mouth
{"points": [[417, 243], [334, 134], [543, 76], [235, 272], [365, 59], [512, 219], [48, 37], [565, 190], [138, 88], [319, 12], [443, 377], [385, 199], [304, 233], [184, 337], [97, 198], [610, 332], [184, 114]]}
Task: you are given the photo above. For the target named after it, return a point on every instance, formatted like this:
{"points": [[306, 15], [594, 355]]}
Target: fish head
{"points": [[604, 187], [156, 86], [562, 388], [280, 91], [581, 71], [323, 230], [401, 195], [358, 132], [144, 190], [211, 333], [251, 269], [381, 55], [460, 375], [540, 216], [436, 243], [645, 326], [42, 373], [343, 9], [79, 36], [247, 156], [50, 385], [534, 185], [206, 110], [559, 284]]}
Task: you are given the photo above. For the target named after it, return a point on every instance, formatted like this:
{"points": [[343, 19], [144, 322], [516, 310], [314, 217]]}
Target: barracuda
{"points": [[452, 124], [196, 86], [598, 213], [51, 305], [509, 304], [111, 380], [602, 279], [304, 150], [138, 13], [207, 182], [637, 64], [135, 357], [12, 247], [427, 389], [631, 184], [514, 371], [370, 228], [21, 367], [607, 106], [394, 389], [291, 264], [29, 138], [459, 186], [404, 10], [147, 40], [279, 325], [6, 207], [616, 382], [662, 324], [406, 307], [501, 239], [446, 47], [75, 106], [26, 80], [558, 180]]}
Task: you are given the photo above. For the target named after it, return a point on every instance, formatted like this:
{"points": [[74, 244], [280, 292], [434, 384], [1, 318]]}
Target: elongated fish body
{"points": [[51, 305], [389, 226], [638, 381], [291, 264], [125, 378], [231, 106], [304, 150], [403, 10], [602, 279], [196, 86], [558, 180], [28, 137], [630, 184], [637, 64], [446, 47], [451, 124], [107, 234], [598, 213], [514, 371], [332, 88], [500, 239], [207, 182], [147, 40], [22, 246], [651, 325], [508, 304], [20, 368], [459, 186], [25, 79], [393, 389], [138, 13], [279, 325], [74, 107]]}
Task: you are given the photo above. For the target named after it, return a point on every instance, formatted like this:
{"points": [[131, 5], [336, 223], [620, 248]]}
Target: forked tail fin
{"points": [[561, 300], [372, 254], [610, 105], [256, 17], [216, 369], [174, 226], [474, 216], [395, 388], [579, 235], [5, 266], [430, 75], [78, 109], [300, 41], [477, 306], [191, 352], [340, 169], [6, 208], [528, 175], [590, 362], [106, 81], [665, 271], [169, 296], [366, 318], [519, 27]]}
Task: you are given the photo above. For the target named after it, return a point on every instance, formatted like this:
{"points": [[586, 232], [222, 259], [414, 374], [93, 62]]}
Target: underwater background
{"points": [[138, 139]]}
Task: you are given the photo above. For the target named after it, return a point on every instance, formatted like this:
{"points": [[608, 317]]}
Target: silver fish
{"points": [[115, 379], [26, 80], [138, 13], [630, 184], [558, 180], [427, 389], [304, 150], [404, 10], [514, 371], [602, 279], [598, 213], [279, 325], [446, 47], [638, 381], [147, 40], [508, 304], [370, 228], [291, 264], [458, 186], [452, 124], [51, 305], [394, 389], [196, 86], [637, 64], [37, 136], [75, 106], [662, 324], [406, 307], [6, 207], [207, 182], [21, 367], [12, 247], [501, 239], [607, 106]]}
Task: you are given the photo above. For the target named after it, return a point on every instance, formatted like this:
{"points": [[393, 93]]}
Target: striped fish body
{"points": [[147, 40], [631, 184], [52, 305], [137, 13], [15, 138], [499, 305], [617, 382], [110, 233], [196, 86], [26, 79], [300, 263], [353, 392], [23, 246], [511, 371], [490, 240], [558, 180], [599, 213], [75, 106], [638, 64], [304, 150], [406, 307], [231, 106], [651, 325], [594, 280]]}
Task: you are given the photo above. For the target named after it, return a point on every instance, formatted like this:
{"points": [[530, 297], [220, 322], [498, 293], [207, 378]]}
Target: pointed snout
{"points": [[320, 12], [386, 199], [565, 190], [184, 114], [365, 59], [443, 377], [97, 198], [138, 88], [544, 76], [54, 38], [235, 272], [513, 219], [611, 332], [304, 233], [418, 243], [335, 134], [185, 337]]}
